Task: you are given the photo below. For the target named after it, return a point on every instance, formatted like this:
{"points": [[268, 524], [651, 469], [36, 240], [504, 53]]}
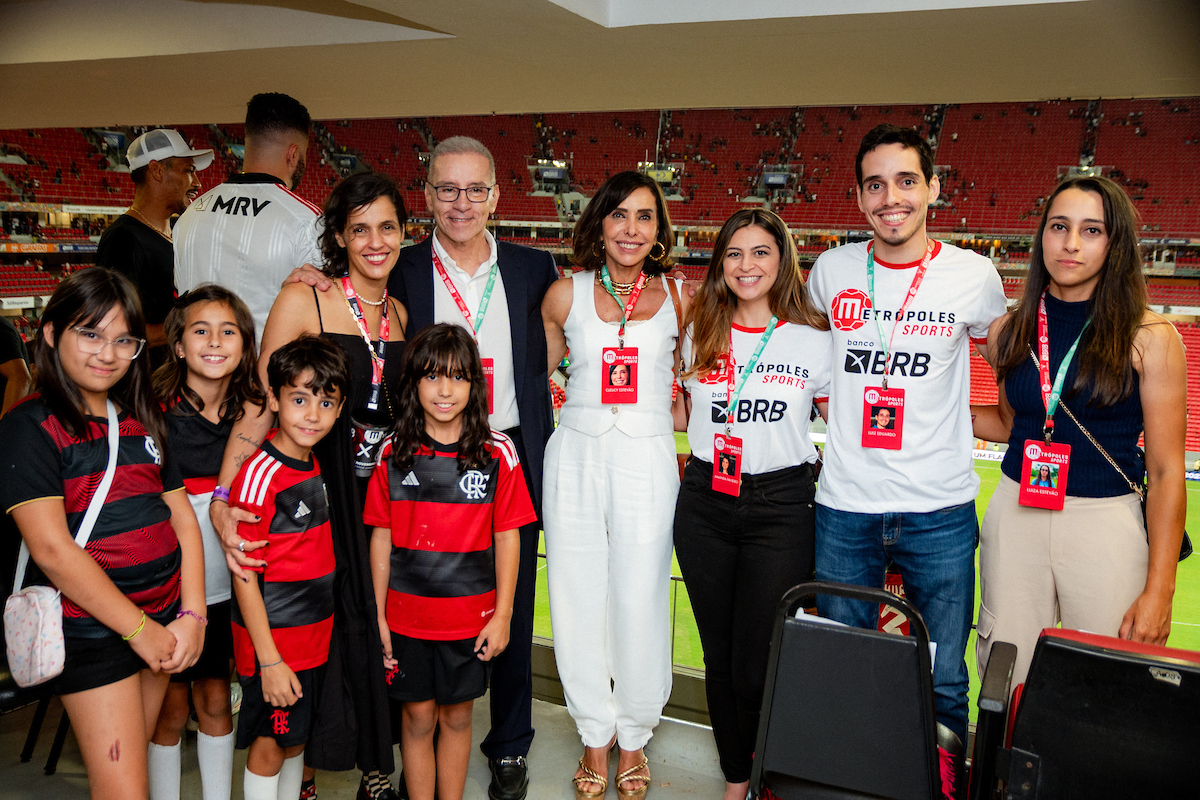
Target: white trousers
{"points": [[609, 506]]}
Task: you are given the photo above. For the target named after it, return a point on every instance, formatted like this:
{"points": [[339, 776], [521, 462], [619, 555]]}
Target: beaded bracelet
{"points": [[138, 630], [221, 493], [187, 612]]}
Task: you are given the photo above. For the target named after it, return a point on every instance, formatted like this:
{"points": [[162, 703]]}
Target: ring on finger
{"points": [[242, 546]]}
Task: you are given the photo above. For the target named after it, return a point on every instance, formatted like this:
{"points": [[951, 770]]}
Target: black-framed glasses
{"points": [[448, 194], [92, 343]]}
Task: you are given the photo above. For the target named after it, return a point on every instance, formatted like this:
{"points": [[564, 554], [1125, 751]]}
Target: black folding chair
{"points": [[847, 712], [1098, 717]]}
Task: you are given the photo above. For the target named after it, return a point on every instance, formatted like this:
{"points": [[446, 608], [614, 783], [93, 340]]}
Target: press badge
{"points": [[618, 375], [1044, 475], [727, 464], [489, 375], [883, 418]]}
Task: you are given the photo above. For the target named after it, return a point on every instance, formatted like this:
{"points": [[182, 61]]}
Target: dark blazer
{"points": [[527, 274]]}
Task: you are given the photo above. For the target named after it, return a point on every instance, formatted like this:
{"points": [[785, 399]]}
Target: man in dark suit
{"points": [[463, 276]]}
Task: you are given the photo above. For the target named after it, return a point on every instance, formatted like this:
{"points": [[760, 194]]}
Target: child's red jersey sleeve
{"points": [[250, 491], [512, 507], [378, 510]]}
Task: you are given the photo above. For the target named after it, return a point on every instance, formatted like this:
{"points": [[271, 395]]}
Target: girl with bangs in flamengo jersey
{"points": [[203, 388], [133, 597], [447, 500], [758, 356]]}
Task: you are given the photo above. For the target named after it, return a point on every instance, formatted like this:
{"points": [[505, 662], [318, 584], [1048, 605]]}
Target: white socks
{"points": [[163, 762], [291, 775], [215, 754], [261, 787]]}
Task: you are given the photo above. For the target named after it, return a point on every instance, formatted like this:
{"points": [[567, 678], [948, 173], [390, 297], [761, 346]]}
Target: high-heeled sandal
{"points": [[589, 776], [631, 774]]}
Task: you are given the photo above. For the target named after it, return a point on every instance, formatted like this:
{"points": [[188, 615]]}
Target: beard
{"points": [[298, 174]]}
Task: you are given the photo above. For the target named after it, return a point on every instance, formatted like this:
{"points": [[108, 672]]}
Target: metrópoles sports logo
{"points": [[846, 313]]}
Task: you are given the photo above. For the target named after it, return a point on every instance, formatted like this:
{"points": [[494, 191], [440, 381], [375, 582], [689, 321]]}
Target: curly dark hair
{"points": [[331, 371], [357, 191], [590, 229], [442, 350]]}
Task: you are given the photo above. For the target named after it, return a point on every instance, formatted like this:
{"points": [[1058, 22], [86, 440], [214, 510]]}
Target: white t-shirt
{"points": [[959, 298], [246, 234], [775, 404], [494, 338]]}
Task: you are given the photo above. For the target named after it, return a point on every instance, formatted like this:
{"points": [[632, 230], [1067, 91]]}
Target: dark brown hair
{"points": [[442, 350], [1116, 307], [357, 191], [895, 134], [589, 231], [714, 304], [170, 380], [331, 373]]}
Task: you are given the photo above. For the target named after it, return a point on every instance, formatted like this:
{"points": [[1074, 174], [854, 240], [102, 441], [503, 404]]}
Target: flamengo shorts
{"points": [[218, 648], [288, 726], [445, 672]]}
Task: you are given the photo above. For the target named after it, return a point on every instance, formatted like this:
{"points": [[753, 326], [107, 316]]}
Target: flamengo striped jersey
{"points": [[132, 541], [442, 585], [297, 583], [246, 234]]}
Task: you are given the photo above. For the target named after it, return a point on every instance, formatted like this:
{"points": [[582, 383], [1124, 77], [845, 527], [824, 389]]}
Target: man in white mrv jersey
{"points": [[250, 232], [907, 492]]}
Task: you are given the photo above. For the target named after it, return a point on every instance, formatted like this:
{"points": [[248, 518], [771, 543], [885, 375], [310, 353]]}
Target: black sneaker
{"points": [[510, 778]]}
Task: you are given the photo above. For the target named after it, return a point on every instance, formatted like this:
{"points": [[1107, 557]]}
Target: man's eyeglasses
{"points": [[92, 343], [448, 194]]}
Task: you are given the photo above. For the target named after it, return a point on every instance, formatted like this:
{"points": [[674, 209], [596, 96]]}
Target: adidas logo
{"points": [[410, 480], [301, 511]]}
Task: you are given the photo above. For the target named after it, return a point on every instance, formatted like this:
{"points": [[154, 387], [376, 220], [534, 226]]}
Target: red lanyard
{"points": [[627, 312], [1052, 392], [908, 298], [484, 300], [384, 332]]}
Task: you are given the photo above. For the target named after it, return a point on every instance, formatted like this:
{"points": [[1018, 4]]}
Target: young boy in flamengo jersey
{"points": [[447, 500], [282, 622]]}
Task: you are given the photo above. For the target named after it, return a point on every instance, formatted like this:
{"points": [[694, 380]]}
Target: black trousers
{"points": [[511, 698], [739, 555]]}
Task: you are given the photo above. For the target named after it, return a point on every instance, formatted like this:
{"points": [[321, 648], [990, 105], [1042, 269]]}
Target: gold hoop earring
{"points": [[598, 252], [661, 254]]}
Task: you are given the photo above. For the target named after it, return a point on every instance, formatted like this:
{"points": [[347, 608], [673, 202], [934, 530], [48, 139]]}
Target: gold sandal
{"points": [[589, 776], [631, 775]]}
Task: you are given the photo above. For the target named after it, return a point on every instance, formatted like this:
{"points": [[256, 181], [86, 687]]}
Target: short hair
{"points": [[888, 133], [331, 373], [272, 112], [462, 145], [140, 174], [590, 227], [357, 191]]}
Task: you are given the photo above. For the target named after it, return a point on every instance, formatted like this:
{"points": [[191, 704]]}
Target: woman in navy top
{"points": [[1083, 349]]}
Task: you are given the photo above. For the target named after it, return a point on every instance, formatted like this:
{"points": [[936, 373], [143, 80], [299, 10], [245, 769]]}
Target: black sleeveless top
{"points": [[360, 367]]}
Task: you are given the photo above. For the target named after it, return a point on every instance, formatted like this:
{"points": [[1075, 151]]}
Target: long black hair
{"points": [[84, 299], [170, 380], [442, 350]]}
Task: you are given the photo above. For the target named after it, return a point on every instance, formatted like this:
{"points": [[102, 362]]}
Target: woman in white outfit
{"points": [[611, 479]]}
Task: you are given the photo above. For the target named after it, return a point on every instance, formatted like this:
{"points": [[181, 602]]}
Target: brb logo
{"points": [[473, 484], [848, 308]]}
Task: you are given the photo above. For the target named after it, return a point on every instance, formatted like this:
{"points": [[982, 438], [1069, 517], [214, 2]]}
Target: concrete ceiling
{"points": [[104, 62]]}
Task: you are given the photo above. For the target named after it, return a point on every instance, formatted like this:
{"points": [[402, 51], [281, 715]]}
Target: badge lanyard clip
{"points": [[886, 344]]}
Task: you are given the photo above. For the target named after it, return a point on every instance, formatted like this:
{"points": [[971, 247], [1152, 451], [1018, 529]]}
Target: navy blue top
{"points": [[1117, 427]]}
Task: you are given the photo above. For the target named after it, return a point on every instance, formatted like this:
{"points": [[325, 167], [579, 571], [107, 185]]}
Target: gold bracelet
{"points": [[138, 630]]}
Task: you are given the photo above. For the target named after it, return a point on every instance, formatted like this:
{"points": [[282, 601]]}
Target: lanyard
{"points": [[1051, 394], [886, 344], [462, 306], [627, 308], [375, 351], [734, 394]]}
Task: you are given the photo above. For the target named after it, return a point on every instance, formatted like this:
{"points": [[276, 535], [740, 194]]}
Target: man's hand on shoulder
{"points": [[310, 275]]}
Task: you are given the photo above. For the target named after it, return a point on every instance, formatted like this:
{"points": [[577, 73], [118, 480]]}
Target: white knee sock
{"points": [[291, 775], [163, 762], [260, 787], [215, 754]]}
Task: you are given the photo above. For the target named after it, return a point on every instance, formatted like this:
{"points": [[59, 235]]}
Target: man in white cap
{"points": [[138, 244]]}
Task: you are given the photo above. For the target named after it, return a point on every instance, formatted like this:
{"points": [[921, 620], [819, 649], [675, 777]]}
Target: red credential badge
{"points": [[727, 464], [489, 375], [883, 417], [618, 375], [1044, 475]]}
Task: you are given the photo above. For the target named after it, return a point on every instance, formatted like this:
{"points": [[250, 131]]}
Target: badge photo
{"points": [[883, 418], [1044, 475], [727, 464], [618, 375]]}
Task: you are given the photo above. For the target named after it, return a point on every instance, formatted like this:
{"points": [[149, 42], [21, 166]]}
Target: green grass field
{"points": [[1185, 628]]}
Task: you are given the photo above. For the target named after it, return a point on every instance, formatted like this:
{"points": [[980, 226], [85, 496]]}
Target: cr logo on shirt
{"points": [[473, 484], [846, 312]]}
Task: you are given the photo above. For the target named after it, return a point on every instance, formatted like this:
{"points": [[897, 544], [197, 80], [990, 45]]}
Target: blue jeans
{"points": [[935, 553]]}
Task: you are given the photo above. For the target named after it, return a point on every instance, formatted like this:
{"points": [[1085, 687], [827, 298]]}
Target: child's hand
{"points": [[154, 644], [189, 642], [493, 639], [280, 686], [385, 636]]}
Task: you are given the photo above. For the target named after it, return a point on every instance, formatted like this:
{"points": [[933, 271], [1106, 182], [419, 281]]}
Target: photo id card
{"points": [[1044, 475], [883, 417], [618, 378], [489, 375], [727, 464]]}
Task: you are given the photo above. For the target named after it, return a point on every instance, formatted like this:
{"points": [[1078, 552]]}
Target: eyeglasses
{"points": [[91, 342], [448, 194]]}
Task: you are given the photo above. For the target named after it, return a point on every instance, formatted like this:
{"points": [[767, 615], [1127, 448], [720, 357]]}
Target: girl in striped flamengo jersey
{"points": [[133, 598], [210, 335]]}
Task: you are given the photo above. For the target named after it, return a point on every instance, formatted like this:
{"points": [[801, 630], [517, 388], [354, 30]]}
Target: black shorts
{"points": [[287, 726], [218, 648], [89, 663], [445, 672]]}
